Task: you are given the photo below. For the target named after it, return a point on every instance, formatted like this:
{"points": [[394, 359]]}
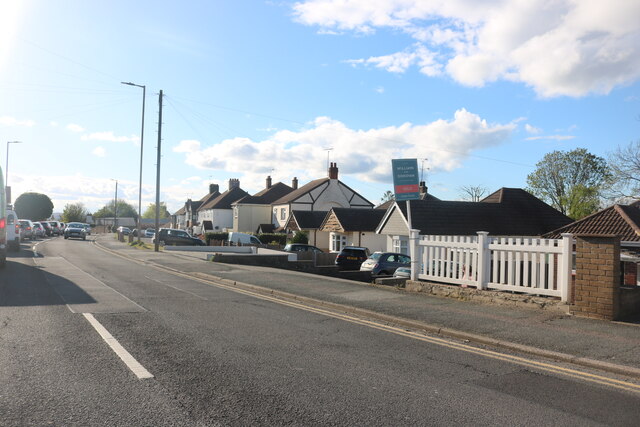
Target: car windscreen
{"points": [[353, 252], [375, 256]]}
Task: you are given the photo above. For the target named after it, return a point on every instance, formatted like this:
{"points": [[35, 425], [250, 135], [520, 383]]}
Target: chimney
{"points": [[234, 183], [423, 188], [333, 171], [269, 182], [214, 188], [294, 183]]}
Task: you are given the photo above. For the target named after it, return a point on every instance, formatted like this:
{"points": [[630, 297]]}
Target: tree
{"points": [[125, 210], [625, 172], [74, 212], [300, 237], [150, 212], [473, 193], [388, 195], [33, 206], [570, 181]]}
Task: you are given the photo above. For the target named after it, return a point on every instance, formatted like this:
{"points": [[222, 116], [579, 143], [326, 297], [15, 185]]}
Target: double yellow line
{"points": [[547, 367]]}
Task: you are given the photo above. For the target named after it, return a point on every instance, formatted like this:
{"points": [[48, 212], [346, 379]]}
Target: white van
{"points": [[13, 231], [243, 239]]}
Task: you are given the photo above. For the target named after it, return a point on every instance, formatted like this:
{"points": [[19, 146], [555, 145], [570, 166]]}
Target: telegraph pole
{"points": [[157, 239]]}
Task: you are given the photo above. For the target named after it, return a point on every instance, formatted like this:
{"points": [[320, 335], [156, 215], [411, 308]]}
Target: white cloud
{"points": [[108, 136], [364, 154], [557, 47], [12, 121], [551, 137], [53, 124], [99, 152], [379, 89], [531, 129], [75, 128]]}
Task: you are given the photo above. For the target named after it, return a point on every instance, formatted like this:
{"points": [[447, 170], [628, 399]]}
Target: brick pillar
{"points": [[597, 283]]}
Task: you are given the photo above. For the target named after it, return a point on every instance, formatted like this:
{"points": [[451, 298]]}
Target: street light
{"points": [[115, 205], [6, 169], [144, 92]]}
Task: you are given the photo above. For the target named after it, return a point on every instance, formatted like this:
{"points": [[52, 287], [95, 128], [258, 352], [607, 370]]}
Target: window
{"points": [[283, 214], [338, 241], [400, 245], [235, 211]]}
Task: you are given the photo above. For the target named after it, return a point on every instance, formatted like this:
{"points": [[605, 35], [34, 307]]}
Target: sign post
{"points": [[406, 187]]}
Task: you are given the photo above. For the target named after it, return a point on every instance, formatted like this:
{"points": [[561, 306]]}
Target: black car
{"points": [[351, 257], [175, 237], [301, 247], [75, 230]]}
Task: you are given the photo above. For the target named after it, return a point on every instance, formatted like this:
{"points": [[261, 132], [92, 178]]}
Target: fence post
{"points": [[414, 251], [565, 273], [484, 259]]}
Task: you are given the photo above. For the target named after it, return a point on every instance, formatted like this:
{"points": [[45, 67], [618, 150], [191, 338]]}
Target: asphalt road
{"points": [[220, 357]]}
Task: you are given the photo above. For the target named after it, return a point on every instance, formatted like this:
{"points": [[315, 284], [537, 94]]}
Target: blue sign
{"points": [[405, 179]]}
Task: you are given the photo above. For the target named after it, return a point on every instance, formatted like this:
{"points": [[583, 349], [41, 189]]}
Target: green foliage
{"points": [[570, 181], [277, 238], [74, 212], [300, 237], [150, 212], [218, 235], [33, 206], [125, 210], [388, 195]]}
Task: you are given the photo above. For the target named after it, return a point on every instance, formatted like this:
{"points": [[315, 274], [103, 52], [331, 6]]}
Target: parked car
{"points": [[243, 239], [174, 237], [87, 228], [301, 247], [124, 230], [39, 230], [75, 229], [13, 231], [149, 232], [55, 228], [402, 272], [48, 230], [351, 257], [385, 263], [28, 232]]}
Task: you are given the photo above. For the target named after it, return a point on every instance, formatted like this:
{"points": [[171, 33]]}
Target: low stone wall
{"points": [[487, 296]]}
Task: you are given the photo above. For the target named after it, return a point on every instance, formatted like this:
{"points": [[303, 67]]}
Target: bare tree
{"points": [[473, 193], [624, 163]]}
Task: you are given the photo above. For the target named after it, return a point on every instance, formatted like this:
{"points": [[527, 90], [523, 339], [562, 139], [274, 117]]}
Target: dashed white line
{"points": [[118, 349]]}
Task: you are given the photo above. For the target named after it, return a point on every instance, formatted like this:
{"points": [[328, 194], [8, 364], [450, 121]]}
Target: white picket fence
{"points": [[522, 264]]}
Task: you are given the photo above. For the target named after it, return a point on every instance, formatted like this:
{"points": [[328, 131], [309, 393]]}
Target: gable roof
{"points": [[295, 194], [619, 220], [181, 211], [507, 212], [267, 196], [390, 202], [305, 220], [354, 219], [224, 200]]}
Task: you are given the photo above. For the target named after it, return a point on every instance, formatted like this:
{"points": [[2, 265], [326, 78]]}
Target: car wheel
{"points": [[84, 238], [66, 237]]}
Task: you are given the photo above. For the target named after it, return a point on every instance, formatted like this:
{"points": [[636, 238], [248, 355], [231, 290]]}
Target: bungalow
{"points": [[217, 213], [354, 227], [310, 222], [253, 212], [507, 212], [318, 195], [617, 220]]}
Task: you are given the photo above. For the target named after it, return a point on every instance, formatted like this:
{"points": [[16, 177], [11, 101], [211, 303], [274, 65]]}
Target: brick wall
{"points": [[596, 289]]}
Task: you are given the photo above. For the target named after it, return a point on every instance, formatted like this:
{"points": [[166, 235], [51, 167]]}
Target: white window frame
{"points": [[400, 244], [283, 214], [337, 241]]}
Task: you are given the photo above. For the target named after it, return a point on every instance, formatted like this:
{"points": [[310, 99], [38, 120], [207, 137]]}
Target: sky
{"points": [[477, 91]]}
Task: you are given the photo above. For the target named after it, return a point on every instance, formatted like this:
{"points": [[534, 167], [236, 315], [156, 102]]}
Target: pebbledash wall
{"points": [[596, 291]]}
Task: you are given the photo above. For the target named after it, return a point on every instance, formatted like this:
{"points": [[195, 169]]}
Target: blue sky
{"points": [[481, 90]]}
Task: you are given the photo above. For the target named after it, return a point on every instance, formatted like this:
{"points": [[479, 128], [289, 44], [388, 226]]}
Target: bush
{"points": [[277, 238], [300, 237], [218, 235]]}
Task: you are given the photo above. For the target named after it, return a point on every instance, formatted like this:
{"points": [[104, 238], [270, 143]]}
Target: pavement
{"points": [[604, 345]]}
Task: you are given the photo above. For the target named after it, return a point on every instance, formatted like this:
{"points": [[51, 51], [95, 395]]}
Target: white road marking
{"points": [[177, 289], [122, 353]]}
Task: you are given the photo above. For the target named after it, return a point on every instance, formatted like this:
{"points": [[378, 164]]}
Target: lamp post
{"points": [[115, 205], [6, 169], [144, 92]]}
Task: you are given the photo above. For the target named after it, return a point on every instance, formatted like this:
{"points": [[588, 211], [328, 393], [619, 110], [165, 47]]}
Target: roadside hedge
{"points": [[267, 238], [218, 235]]}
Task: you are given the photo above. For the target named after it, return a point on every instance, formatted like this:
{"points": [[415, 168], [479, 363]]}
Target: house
{"points": [[179, 219], [310, 222], [251, 213], [216, 213], [318, 195], [617, 220], [507, 212], [186, 217], [354, 227]]}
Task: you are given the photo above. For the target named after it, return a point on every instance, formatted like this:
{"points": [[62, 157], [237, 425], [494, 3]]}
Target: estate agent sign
{"points": [[405, 179]]}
